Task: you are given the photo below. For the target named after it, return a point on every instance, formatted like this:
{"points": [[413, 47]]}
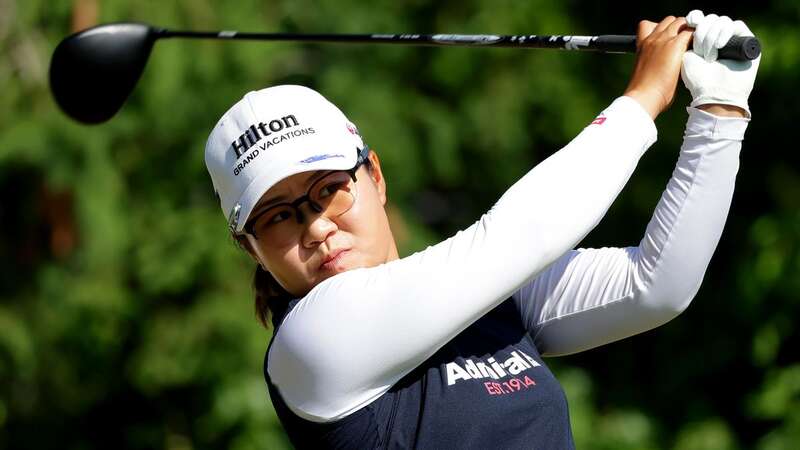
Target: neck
{"points": [[392, 255]]}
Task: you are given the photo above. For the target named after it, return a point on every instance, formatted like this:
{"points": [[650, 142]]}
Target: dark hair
{"points": [[270, 295]]}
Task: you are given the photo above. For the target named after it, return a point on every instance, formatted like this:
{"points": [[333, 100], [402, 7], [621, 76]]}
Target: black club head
{"points": [[93, 71]]}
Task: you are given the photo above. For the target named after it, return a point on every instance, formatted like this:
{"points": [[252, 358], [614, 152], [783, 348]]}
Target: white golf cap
{"points": [[271, 134]]}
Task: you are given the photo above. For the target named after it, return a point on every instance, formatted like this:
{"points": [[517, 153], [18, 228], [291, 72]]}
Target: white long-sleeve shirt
{"points": [[356, 334]]}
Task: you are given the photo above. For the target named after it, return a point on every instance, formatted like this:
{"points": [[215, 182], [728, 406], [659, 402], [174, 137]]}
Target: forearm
{"points": [[593, 297]]}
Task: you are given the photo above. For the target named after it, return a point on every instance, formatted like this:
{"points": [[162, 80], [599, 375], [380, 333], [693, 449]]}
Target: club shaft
{"points": [[741, 48], [603, 43]]}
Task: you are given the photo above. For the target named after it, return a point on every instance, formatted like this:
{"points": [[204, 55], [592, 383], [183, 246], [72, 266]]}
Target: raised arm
{"points": [[356, 334], [591, 297]]}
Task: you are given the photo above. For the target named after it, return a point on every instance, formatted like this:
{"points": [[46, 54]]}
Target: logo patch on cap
{"points": [[251, 135], [353, 130], [247, 147], [316, 158]]}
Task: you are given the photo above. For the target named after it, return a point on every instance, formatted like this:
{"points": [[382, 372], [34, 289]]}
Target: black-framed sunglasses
{"points": [[333, 194]]}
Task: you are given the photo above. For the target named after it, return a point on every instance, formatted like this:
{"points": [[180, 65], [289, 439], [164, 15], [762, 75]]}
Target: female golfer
{"points": [[443, 348]]}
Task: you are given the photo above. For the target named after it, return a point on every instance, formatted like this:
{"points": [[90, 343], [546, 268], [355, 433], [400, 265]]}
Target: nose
{"points": [[317, 229]]}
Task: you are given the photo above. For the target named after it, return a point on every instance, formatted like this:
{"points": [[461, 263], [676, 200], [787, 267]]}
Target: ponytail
{"points": [[270, 296]]}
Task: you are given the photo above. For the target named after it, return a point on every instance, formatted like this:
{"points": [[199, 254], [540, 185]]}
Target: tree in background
{"points": [[126, 315]]}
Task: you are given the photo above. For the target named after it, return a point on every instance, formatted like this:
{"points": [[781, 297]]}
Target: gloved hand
{"points": [[715, 81]]}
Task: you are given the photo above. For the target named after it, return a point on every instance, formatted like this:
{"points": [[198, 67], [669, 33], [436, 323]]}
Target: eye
{"points": [[331, 188], [273, 217], [278, 217]]}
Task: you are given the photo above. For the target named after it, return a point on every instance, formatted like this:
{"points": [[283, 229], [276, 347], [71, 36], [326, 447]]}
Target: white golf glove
{"points": [[717, 81]]}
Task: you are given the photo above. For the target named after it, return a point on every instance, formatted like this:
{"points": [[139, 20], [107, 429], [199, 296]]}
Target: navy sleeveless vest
{"points": [[486, 388]]}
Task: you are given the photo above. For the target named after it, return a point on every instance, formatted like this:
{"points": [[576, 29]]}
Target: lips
{"points": [[330, 262]]}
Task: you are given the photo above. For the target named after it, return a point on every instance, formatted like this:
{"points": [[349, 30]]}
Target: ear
{"points": [[377, 176]]}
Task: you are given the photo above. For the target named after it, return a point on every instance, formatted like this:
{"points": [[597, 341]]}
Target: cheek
{"points": [[367, 224], [287, 266]]}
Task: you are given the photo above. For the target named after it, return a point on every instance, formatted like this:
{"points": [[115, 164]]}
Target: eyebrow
{"points": [[282, 198]]}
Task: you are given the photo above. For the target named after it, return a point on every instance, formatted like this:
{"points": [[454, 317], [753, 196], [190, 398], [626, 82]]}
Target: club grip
{"points": [[742, 48]]}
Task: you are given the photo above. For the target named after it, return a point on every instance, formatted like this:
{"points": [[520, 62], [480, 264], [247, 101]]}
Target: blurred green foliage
{"points": [[126, 315]]}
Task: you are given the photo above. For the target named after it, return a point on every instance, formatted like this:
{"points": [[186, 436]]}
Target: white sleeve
{"points": [[591, 297], [356, 334]]}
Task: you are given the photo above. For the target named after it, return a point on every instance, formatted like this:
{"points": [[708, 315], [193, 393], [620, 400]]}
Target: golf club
{"points": [[93, 72]]}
